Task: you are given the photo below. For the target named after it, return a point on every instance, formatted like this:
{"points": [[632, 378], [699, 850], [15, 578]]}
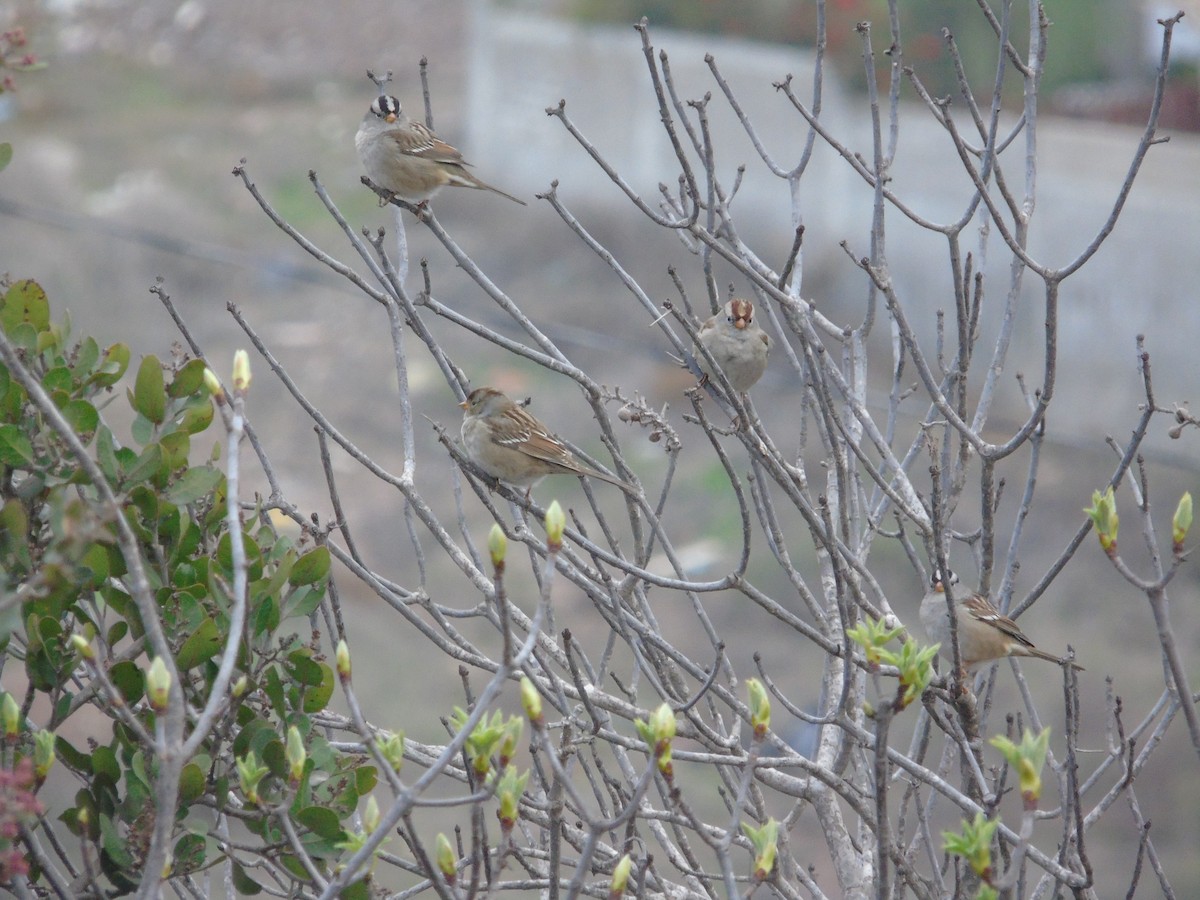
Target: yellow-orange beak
{"points": [[463, 405], [390, 118]]}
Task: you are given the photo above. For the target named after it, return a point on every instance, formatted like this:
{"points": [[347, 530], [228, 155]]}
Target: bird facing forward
{"points": [[984, 633], [737, 344], [406, 158], [511, 445]]}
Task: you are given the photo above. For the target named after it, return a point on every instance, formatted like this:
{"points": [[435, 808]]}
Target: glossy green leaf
{"points": [[175, 447], [104, 760], [149, 390], [365, 778], [58, 379], [86, 357], [106, 453], [187, 380], [196, 417], [117, 632], [25, 302], [191, 784], [129, 679], [71, 756], [312, 567], [145, 467], [266, 616], [316, 698], [188, 855], [244, 884], [303, 668], [202, 645], [303, 602], [321, 822], [193, 484], [15, 449], [249, 547], [114, 844], [112, 367], [82, 417]]}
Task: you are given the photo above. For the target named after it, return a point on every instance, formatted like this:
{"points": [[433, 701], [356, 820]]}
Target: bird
{"points": [[984, 633], [736, 343], [509, 443], [406, 158]]}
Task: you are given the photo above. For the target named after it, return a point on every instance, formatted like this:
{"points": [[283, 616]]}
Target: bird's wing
{"points": [[417, 140]]}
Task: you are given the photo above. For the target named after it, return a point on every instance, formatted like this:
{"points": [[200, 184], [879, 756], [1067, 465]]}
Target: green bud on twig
{"points": [[620, 877], [446, 860], [760, 708], [556, 521], [297, 756], [531, 702], [497, 547], [1181, 522], [1103, 513], [1028, 758], [158, 684]]}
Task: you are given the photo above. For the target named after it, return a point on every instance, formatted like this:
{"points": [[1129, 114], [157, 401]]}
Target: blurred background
{"points": [[123, 148]]}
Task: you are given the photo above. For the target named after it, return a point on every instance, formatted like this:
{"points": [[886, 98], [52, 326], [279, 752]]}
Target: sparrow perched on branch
{"points": [[984, 634], [737, 344], [405, 157], [511, 445]]}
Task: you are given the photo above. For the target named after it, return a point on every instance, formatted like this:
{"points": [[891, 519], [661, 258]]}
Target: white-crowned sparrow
{"points": [[405, 157], [984, 634], [510, 444], [737, 344]]}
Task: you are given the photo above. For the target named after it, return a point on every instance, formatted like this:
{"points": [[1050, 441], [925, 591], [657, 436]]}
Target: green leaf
{"points": [[187, 380], [145, 466], [106, 453], [196, 417], [303, 668], [72, 757], [191, 784], [175, 447], [365, 778], [15, 449], [244, 884], [312, 567], [316, 698], [321, 822], [303, 602], [129, 679], [86, 357], [149, 390], [112, 367], [58, 379], [193, 484], [25, 302], [266, 617], [114, 844], [6, 154], [202, 645], [188, 854], [104, 761], [82, 417]]}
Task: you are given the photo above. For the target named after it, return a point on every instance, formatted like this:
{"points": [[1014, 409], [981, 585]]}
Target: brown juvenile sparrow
{"points": [[737, 344], [984, 634], [511, 445], [405, 157]]}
